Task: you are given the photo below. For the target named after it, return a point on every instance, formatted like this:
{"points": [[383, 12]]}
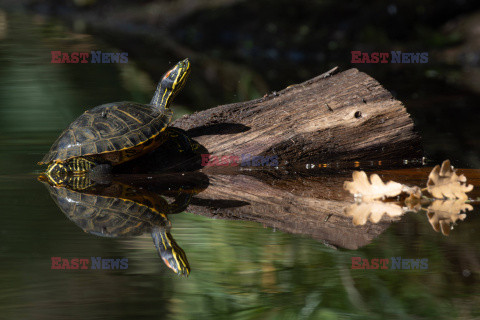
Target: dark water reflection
{"points": [[239, 269]]}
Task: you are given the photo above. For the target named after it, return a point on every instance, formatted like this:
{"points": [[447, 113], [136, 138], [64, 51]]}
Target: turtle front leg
{"points": [[181, 139], [180, 204]]}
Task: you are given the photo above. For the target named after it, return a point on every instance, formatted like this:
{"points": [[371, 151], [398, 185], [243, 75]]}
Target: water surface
{"points": [[239, 269]]}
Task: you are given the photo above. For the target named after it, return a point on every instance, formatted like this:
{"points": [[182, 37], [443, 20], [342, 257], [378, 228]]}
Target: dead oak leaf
{"points": [[373, 211], [443, 182], [373, 189], [443, 213]]}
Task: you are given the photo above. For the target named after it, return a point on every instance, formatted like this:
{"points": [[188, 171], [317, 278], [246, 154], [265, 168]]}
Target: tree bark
{"points": [[331, 118]]}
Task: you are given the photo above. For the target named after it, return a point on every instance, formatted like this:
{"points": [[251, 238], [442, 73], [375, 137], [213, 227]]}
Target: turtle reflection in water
{"points": [[118, 210]]}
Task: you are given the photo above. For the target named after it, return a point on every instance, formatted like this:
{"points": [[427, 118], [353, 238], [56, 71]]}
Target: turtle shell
{"points": [[110, 214], [118, 210], [107, 128]]}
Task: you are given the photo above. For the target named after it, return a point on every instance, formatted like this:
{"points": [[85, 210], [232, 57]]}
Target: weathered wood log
{"points": [[344, 117]]}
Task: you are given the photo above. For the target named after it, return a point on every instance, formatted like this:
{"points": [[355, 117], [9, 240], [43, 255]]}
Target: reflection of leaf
{"points": [[444, 182], [375, 210], [373, 189], [442, 213]]}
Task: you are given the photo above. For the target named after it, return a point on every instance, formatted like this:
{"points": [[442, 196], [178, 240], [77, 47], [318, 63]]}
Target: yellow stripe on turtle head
{"points": [[182, 70], [57, 173], [172, 82]]}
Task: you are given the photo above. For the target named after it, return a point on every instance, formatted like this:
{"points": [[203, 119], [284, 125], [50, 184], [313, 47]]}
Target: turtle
{"points": [[120, 210], [114, 133]]}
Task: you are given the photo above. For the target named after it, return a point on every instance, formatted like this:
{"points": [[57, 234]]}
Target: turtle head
{"points": [[176, 77], [57, 173], [172, 255], [175, 259], [172, 82]]}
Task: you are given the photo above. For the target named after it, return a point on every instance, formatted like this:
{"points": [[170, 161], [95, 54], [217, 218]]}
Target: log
{"points": [[347, 117], [344, 117]]}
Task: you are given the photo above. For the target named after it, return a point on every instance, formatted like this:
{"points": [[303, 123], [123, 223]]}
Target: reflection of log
{"points": [[309, 206], [344, 117]]}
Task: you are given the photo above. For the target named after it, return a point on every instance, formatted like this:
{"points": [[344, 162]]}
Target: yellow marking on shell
{"points": [[138, 150], [105, 152], [137, 203], [137, 225], [129, 115]]}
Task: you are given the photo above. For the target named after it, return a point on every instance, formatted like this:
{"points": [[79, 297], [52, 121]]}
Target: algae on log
{"points": [[348, 116]]}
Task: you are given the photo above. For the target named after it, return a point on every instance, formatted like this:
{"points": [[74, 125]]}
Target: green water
{"points": [[240, 270]]}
